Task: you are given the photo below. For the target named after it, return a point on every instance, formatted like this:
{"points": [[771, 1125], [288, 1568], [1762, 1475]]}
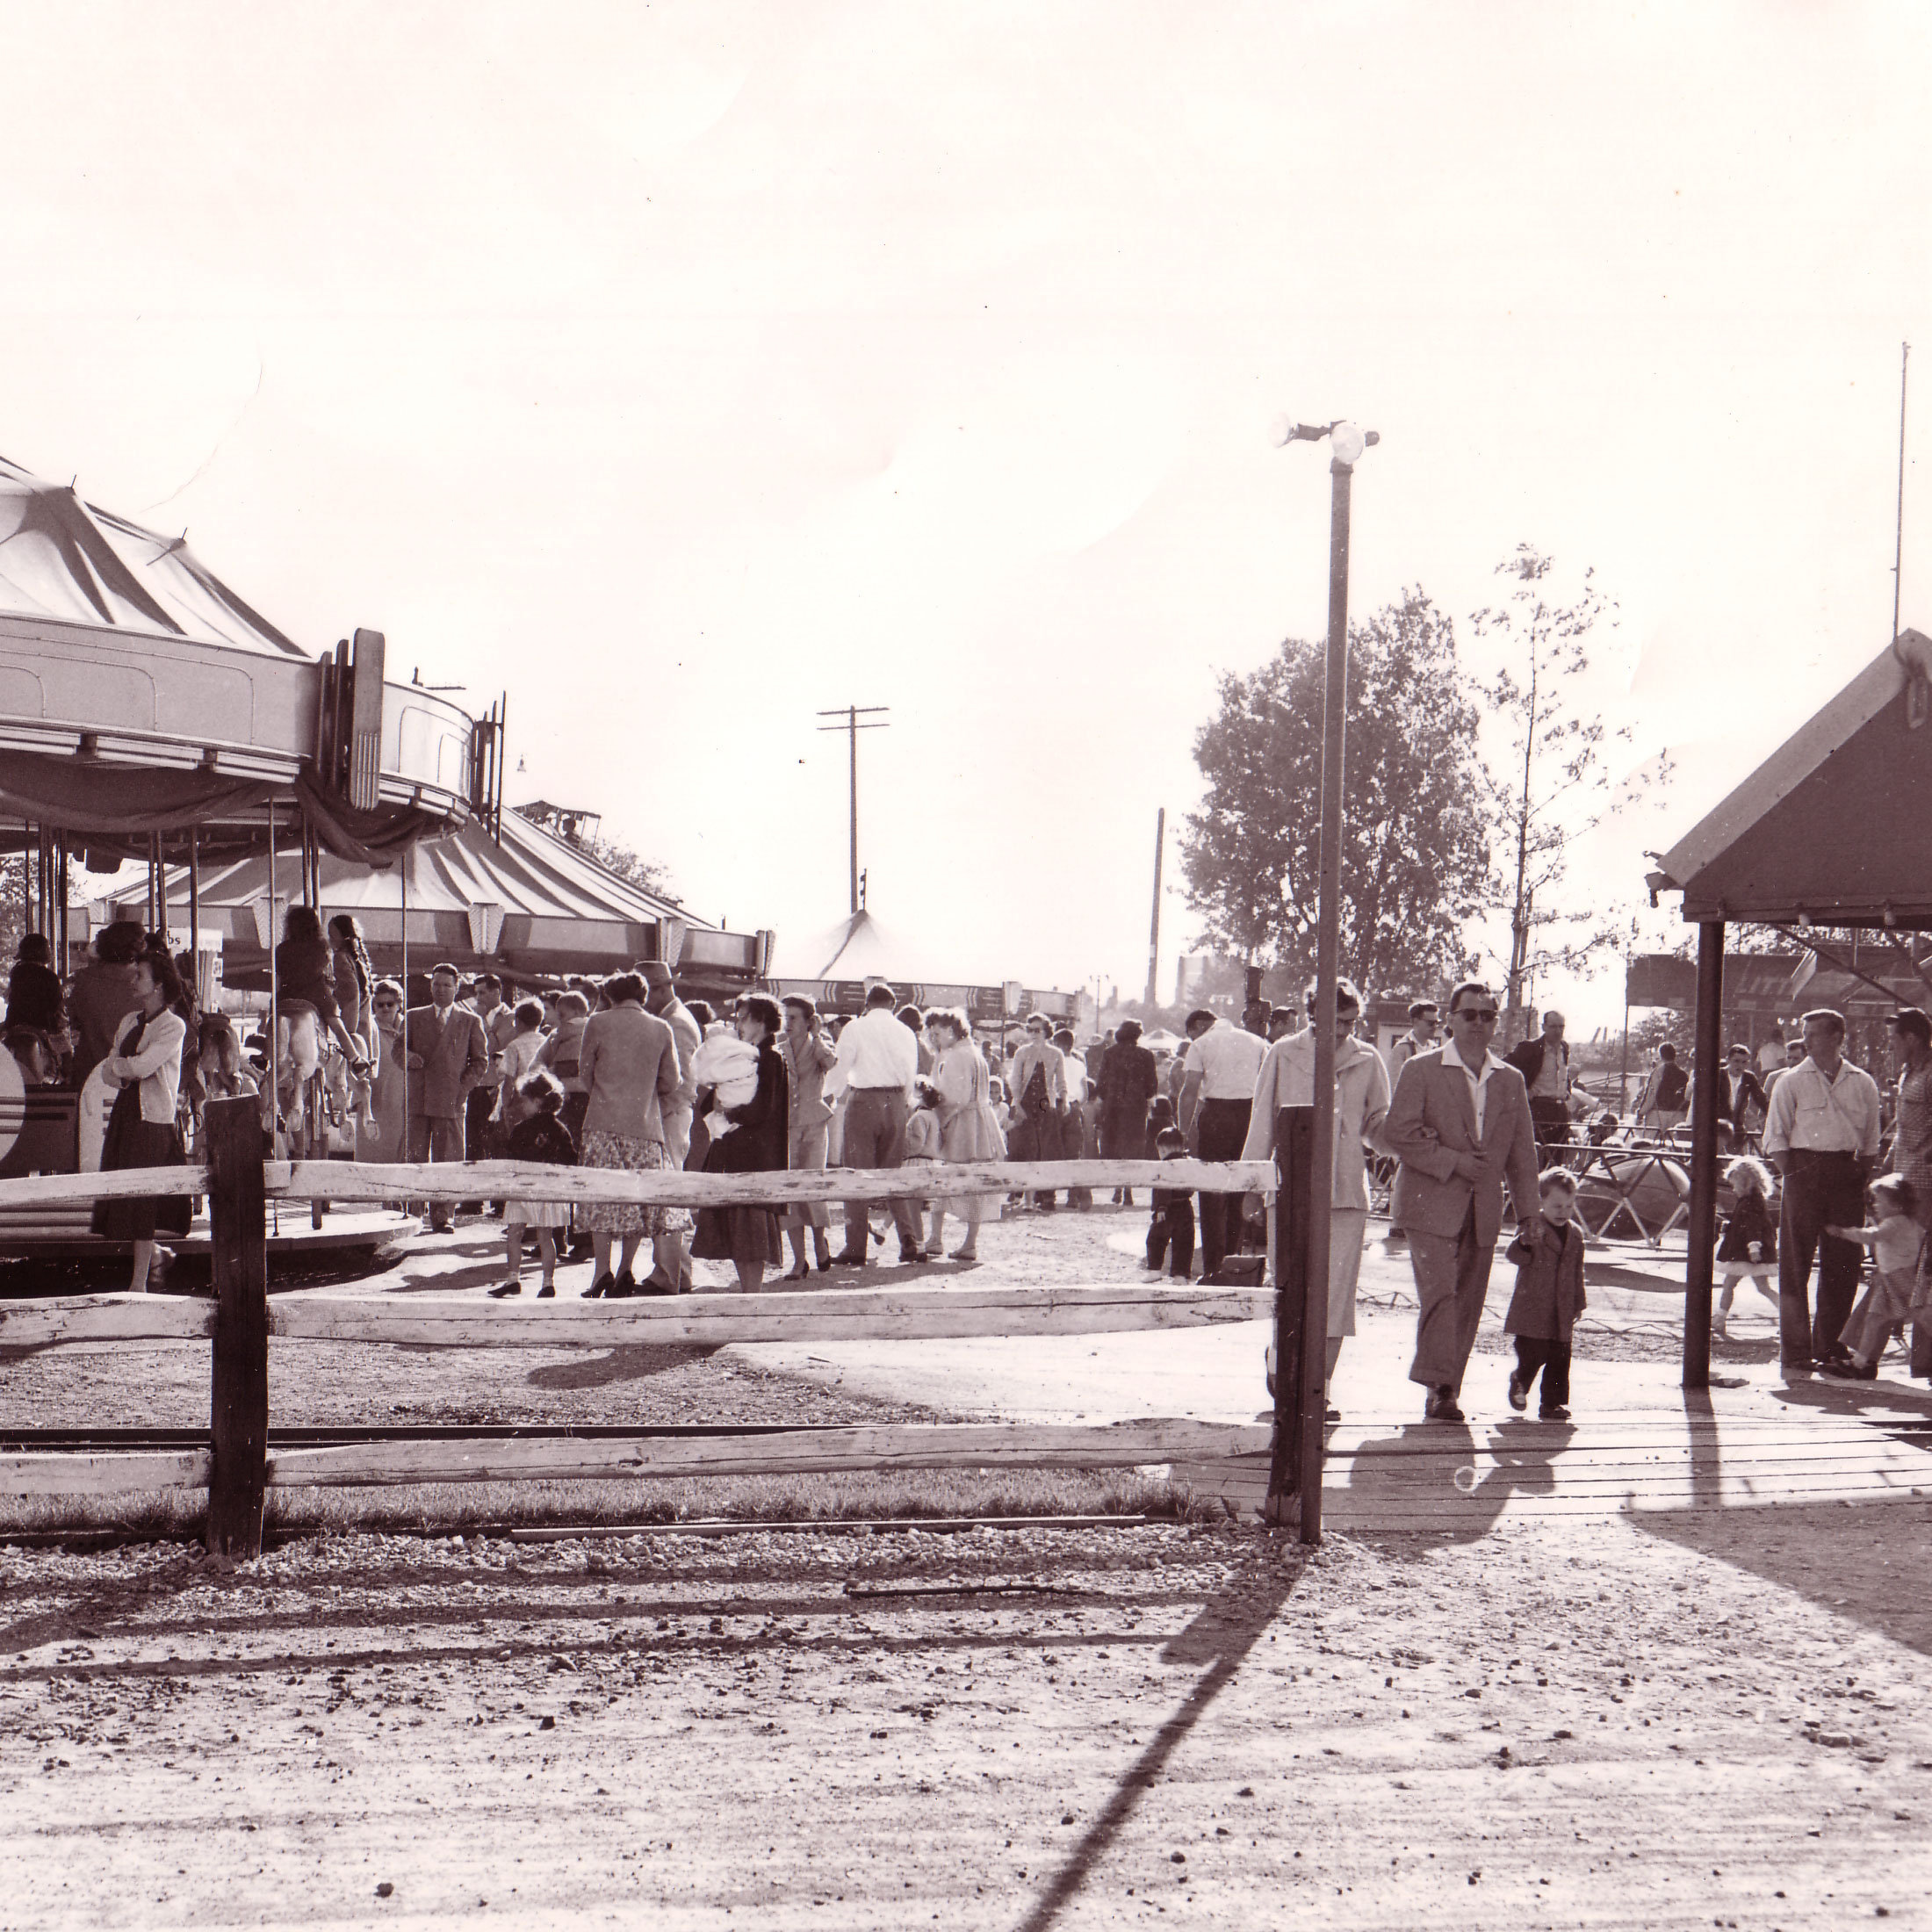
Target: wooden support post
{"points": [[1708, 1072], [1294, 1149], [239, 1252]]}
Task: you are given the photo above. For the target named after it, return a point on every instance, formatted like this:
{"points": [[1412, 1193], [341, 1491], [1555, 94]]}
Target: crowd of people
{"points": [[622, 1074]]}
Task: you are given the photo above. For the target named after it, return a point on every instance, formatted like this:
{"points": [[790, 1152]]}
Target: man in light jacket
{"points": [[1460, 1125]]}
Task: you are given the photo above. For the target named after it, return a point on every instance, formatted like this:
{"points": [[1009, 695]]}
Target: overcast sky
{"points": [[684, 370]]}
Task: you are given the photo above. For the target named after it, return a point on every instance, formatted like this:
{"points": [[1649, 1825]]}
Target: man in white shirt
{"points": [[878, 1061], [1216, 1101], [1421, 1037], [1821, 1134]]}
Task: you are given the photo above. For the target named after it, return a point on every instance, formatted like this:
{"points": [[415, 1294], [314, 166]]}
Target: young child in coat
{"points": [[1549, 1296], [530, 1110], [1170, 1233], [920, 1153], [1895, 1239], [1749, 1249]]}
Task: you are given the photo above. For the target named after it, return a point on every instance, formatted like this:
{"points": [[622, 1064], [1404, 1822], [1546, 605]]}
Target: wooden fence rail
{"points": [[509, 1180], [237, 1468]]}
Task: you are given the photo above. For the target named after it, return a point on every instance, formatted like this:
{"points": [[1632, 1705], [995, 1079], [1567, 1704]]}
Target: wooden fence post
{"points": [[239, 1256], [1293, 1151]]}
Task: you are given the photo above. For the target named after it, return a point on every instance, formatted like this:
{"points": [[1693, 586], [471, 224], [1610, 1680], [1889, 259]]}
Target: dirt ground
{"points": [[1681, 1718], [1715, 1722]]}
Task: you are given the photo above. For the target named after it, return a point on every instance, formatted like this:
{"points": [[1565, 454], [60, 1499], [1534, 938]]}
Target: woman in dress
{"points": [[969, 1128], [304, 971], [1127, 1083], [355, 977], [808, 1056], [388, 1101], [628, 1060], [756, 1143], [142, 1130]]}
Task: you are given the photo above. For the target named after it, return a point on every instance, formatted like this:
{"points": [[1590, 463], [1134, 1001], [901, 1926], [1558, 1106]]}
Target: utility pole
{"points": [[1303, 1407], [1154, 935], [851, 714]]}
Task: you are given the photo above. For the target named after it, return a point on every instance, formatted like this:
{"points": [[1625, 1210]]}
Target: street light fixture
{"points": [[1304, 1411]]}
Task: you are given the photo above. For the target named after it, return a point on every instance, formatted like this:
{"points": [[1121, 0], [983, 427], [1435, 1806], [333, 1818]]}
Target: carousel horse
{"points": [[317, 1088]]}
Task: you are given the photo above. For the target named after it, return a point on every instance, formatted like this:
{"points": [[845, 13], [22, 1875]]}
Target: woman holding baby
{"points": [[749, 1138]]}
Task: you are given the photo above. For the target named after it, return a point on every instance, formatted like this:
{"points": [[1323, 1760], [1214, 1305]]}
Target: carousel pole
{"points": [[61, 952], [275, 991], [402, 879], [194, 901]]}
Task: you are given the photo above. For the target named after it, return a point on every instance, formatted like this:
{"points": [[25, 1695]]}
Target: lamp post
{"points": [[1346, 443]]}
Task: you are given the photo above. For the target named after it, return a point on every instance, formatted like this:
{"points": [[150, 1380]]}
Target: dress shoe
{"points": [[849, 1260], [503, 1290], [624, 1286], [1557, 1414], [1331, 1415], [1847, 1371], [1442, 1407], [797, 1272], [1519, 1393], [654, 1283], [548, 1291], [600, 1287]]}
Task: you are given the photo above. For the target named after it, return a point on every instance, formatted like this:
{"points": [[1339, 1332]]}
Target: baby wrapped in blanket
{"points": [[728, 1065]]}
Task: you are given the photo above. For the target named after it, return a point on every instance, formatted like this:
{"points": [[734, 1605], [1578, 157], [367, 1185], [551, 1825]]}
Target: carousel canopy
{"points": [[62, 558], [524, 903], [1836, 827], [141, 697], [834, 968]]}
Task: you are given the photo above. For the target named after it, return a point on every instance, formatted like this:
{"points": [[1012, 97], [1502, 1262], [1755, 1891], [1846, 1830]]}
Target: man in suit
{"points": [[1460, 1125], [1739, 1091], [442, 1047]]}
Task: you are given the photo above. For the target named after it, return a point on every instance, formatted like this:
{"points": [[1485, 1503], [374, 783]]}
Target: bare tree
{"points": [[1556, 785]]}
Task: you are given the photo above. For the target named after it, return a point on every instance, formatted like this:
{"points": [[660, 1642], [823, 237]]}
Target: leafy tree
{"points": [[1556, 784], [1415, 856], [611, 853]]}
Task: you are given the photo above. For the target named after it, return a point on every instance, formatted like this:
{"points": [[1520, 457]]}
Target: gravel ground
{"points": [[1656, 1723]]}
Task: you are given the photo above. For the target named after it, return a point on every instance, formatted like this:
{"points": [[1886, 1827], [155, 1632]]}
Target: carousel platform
{"points": [[357, 1236]]}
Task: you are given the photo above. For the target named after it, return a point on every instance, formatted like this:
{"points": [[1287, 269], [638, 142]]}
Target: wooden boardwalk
{"points": [[1455, 1481]]}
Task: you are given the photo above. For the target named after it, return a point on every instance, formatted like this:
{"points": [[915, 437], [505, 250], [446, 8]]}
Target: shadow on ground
{"points": [[1226, 1629], [1867, 1561], [621, 1365]]}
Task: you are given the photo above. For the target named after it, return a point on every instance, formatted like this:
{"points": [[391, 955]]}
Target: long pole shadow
{"points": [[1706, 1452], [1220, 1638]]}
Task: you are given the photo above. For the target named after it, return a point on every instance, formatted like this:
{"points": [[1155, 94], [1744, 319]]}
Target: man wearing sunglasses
{"points": [[1460, 1125]]}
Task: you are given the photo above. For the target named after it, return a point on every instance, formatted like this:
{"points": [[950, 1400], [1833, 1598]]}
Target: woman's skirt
{"points": [[974, 1133], [747, 1236], [631, 1157], [538, 1213], [806, 1148], [132, 1142]]}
